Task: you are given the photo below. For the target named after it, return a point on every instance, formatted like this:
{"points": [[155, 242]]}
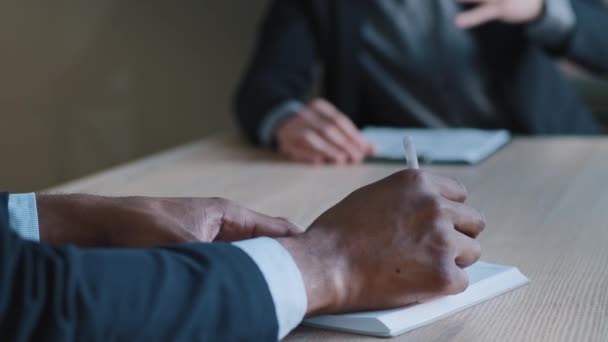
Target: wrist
{"points": [[277, 118], [75, 219], [540, 14], [323, 271], [554, 26]]}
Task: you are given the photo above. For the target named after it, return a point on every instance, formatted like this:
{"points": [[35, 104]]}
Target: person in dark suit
{"points": [[108, 269], [487, 64]]}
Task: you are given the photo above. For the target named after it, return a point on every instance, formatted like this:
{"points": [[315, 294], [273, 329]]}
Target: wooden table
{"points": [[546, 201]]}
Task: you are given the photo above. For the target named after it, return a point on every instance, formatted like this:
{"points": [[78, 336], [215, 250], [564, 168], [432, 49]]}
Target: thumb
{"points": [[242, 224], [479, 15]]}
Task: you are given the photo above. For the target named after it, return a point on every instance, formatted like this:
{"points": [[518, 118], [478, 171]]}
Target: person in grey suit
{"points": [[487, 64]]}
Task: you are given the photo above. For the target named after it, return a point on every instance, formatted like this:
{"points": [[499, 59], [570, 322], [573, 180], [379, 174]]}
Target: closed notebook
{"points": [[486, 281], [453, 145]]}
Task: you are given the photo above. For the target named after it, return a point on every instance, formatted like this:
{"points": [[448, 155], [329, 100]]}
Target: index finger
{"points": [[241, 224], [333, 115], [466, 219], [485, 12], [450, 188]]}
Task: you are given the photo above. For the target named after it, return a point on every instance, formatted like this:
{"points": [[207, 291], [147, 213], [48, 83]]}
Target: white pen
{"points": [[410, 153]]}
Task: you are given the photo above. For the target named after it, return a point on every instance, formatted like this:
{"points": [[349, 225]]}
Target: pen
{"points": [[410, 153]]}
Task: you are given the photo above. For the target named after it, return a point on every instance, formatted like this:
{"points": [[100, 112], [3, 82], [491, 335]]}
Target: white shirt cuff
{"points": [[23, 216], [276, 116], [283, 278]]}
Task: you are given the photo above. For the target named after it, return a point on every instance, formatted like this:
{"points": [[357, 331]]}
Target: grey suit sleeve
{"points": [[556, 24], [586, 43]]}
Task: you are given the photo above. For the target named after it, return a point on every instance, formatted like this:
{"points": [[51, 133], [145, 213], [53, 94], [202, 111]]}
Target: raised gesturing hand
{"points": [[509, 11]]}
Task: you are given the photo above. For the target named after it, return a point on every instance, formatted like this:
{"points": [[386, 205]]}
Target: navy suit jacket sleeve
{"points": [[198, 292]]}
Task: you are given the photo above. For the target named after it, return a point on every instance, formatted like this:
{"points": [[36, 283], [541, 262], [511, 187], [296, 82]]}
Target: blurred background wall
{"points": [[86, 84]]}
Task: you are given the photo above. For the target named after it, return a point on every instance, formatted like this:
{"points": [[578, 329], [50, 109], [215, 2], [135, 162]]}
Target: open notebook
{"points": [[453, 145], [486, 281]]}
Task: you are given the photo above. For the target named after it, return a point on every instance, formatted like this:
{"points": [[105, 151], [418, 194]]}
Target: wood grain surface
{"points": [[546, 202]]}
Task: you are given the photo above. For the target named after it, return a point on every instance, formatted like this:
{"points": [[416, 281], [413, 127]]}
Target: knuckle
{"points": [[432, 206], [221, 202], [292, 154], [292, 123], [283, 136], [335, 120], [476, 250], [305, 118], [482, 222], [418, 178], [357, 155], [315, 159], [442, 277], [287, 138], [285, 148], [412, 178], [441, 245], [327, 130], [302, 117], [298, 117], [284, 221], [304, 159], [306, 137], [317, 103], [463, 189], [477, 221], [338, 157], [295, 157], [458, 284], [450, 280]]}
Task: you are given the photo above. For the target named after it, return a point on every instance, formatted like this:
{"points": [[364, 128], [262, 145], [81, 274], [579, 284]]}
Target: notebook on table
{"points": [[486, 281], [451, 145]]}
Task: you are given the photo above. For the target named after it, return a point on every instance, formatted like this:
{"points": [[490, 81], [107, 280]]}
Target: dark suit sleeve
{"points": [[198, 292], [588, 44], [282, 65]]}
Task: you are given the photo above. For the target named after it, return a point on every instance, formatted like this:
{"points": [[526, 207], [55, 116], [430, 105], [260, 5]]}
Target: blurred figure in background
{"points": [[411, 63]]}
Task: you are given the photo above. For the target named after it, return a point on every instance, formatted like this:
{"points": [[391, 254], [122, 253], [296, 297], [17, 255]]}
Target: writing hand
{"points": [[400, 241]]}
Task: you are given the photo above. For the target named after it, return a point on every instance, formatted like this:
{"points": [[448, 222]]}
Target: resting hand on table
{"points": [[149, 222], [400, 241], [509, 11], [322, 134]]}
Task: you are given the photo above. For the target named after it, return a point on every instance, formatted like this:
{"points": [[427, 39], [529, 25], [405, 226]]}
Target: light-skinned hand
{"points": [[322, 134], [509, 11]]}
